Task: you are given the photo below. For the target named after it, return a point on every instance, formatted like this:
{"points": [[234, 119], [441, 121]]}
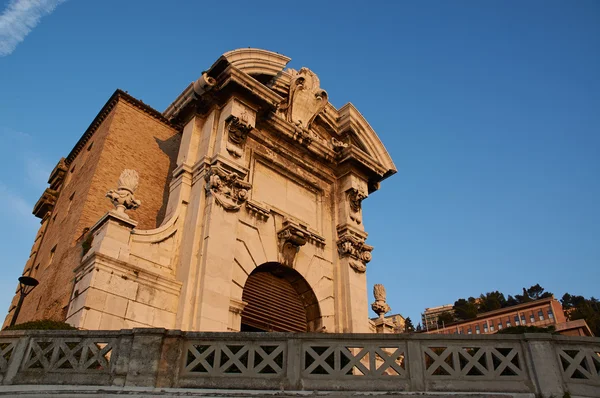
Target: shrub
{"points": [[43, 324]]}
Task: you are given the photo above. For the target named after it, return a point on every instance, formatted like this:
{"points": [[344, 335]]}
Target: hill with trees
{"points": [[575, 307]]}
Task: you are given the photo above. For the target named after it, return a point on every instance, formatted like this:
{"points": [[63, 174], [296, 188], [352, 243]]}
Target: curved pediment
{"points": [[294, 102], [255, 61], [351, 120]]}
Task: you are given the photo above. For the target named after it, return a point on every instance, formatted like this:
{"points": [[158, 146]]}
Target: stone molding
{"points": [[260, 210]]}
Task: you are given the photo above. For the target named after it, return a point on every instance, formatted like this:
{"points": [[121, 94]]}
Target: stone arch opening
{"points": [[279, 300]]}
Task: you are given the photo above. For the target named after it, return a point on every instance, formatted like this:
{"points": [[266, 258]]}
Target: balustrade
{"points": [[532, 363]]}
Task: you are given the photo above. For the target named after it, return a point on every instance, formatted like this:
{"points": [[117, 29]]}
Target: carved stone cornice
{"points": [[227, 187], [237, 132], [259, 210], [45, 203], [291, 237], [351, 244], [57, 176]]}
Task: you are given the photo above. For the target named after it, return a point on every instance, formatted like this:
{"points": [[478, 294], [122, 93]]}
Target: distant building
{"points": [[429, 318], [543, 313], [396, 320]]}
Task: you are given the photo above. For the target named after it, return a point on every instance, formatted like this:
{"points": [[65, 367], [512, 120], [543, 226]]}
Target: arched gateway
{"points": [[257, 183], [279, 300]]}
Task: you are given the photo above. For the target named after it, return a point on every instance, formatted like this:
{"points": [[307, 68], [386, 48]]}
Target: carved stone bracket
{"points": [[237, 131], [355, 198], [292, 236], [227, 187], [351, 244]]}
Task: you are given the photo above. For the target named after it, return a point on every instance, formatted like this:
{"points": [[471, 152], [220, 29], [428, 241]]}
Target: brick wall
{"points": [[128, 137]]}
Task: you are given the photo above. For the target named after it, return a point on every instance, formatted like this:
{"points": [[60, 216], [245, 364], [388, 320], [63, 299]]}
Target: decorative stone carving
{"points": [[123, 198], [305, 101], [227, 187], [291, 237], [338, 145], [353, 246], [237, 130], [355, 198], [380, 306]]}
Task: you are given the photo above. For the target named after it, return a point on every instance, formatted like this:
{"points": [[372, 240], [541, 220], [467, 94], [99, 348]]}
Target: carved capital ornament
{"points": [[227, 188], [356, 250]]}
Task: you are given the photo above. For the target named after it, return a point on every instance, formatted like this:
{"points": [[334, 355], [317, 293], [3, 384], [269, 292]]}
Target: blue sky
{"points": [[490, 110]]}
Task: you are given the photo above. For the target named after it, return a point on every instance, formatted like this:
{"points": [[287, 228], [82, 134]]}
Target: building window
{"points": [[485, 328], [52, 251], [477, 331], [491, 326], [532, 318], [517, 323], [541, 315], [499, 325], [523, 319], [508, 324], [90, 146], [70, 202], [550, 314], [469, 331]]}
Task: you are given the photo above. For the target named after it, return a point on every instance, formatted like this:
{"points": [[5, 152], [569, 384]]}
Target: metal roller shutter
{"points": [[273, 304]]}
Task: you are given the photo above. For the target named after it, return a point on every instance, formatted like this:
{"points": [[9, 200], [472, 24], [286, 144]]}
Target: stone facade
{"points": [[250, 167]]}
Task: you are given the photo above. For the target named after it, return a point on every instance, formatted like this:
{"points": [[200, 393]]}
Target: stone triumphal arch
{"points": [[262, 226]]}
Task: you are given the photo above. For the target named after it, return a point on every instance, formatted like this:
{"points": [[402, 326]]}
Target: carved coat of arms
{"points": [[306, 99]]}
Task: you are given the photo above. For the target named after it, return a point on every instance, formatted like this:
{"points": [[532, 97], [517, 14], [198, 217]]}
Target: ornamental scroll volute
{"points": [[305, 101], [351, 244], [227, 188]]}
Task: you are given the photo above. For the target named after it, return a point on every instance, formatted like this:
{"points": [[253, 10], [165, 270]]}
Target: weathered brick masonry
{"points": [[125, 134]]}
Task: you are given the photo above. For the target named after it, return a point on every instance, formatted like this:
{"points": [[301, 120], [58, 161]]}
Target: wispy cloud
{"points": [[14, 205], [19, 18]]}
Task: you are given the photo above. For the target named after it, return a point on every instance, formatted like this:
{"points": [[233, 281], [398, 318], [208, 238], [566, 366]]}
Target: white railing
{"points": [[539, 364]]}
